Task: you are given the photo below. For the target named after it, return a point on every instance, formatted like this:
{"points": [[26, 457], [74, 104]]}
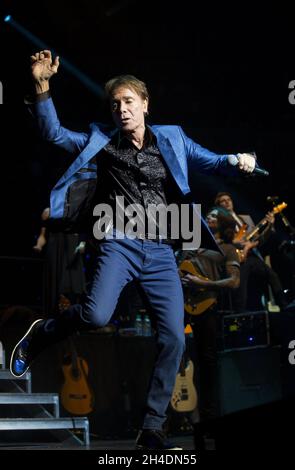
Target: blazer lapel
{"points": [[96, 142], [172, 161]]}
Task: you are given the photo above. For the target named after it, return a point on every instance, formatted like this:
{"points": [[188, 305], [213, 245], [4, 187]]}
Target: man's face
{"points": [[226, 202], [128, 109], [212, 221]]}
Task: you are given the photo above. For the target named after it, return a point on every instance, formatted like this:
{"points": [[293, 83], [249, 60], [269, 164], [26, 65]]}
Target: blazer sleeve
{"points": [[204, 161], [51, 129]]}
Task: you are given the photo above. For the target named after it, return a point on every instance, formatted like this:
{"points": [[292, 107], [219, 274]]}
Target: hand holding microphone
{"points": [[247, 163]]}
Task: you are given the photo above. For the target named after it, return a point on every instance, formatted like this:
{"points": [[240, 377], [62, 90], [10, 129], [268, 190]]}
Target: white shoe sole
{"points": [[12, 354]]}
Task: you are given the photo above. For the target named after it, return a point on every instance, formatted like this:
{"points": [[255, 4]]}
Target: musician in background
{"points": [[252, 262], [222, 273], [64, 278]]}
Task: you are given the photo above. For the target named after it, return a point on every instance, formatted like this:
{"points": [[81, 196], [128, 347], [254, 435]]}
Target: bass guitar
{"points": [[184, 397], [76, 394], [197, 300]]}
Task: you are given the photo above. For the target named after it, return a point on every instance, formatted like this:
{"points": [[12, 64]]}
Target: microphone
{"points": [[234, 161], [272, 198]]}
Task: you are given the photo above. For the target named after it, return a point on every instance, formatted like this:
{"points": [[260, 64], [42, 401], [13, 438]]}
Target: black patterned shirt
{"points": [[140, 175]]}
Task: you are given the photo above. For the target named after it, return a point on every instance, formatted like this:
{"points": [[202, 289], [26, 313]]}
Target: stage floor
{"points": [[187, 442]]}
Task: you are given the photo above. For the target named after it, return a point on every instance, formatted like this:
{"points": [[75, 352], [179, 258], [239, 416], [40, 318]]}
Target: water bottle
{"points": [[138, 325], [2, 357], [146, 326]]}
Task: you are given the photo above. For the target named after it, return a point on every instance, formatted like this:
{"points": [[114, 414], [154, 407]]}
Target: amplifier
{"points": [[243, 330]]}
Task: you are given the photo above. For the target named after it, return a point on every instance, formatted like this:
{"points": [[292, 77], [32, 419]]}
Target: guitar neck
{"points": [[256, 229], [263, 222], [74, 354]]}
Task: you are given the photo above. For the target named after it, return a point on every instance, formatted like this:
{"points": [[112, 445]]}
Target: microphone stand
{"points": [[289, 227], [288, 245]]}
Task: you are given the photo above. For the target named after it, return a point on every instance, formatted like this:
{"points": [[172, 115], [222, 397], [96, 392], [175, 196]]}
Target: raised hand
{"points": [[43, 67]]}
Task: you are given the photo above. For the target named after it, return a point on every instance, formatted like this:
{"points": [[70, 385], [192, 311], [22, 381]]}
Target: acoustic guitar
{"points": [[76, 394], [184, 397], [197, 300]]}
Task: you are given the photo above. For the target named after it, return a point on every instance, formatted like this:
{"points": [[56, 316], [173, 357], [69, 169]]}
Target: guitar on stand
{"points": [[184, 397], [183, 400], [76, 394]]}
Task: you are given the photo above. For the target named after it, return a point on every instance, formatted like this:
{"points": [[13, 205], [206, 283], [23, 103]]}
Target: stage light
{"points": [[82, 77]]}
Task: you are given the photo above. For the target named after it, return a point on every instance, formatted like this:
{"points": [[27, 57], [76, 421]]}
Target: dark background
{"points": [[221, 72]]}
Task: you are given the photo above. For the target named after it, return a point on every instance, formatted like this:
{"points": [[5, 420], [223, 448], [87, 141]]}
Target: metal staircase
{"points": [[42, 408]]}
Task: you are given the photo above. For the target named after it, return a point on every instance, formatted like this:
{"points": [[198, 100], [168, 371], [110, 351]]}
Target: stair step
{"points": [[5, 374], [31, 399], [22, 424], [25, 380]]}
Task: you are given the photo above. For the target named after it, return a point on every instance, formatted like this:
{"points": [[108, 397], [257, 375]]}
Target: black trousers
{"points": [[255, 269], [205, 334]]}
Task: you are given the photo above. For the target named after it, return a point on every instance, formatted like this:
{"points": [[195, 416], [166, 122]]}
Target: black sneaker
{"points": [[24, 353], [149, 439]]}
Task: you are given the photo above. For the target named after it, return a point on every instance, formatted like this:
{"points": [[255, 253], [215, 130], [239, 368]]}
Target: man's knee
{"points": [[95, 317], [176, 342]]}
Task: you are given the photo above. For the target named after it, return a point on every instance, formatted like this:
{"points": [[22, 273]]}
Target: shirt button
{"points": [[140, 158]]}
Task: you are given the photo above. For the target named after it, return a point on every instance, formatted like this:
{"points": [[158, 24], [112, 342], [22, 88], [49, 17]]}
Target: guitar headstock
{"points": [[279, 208]]}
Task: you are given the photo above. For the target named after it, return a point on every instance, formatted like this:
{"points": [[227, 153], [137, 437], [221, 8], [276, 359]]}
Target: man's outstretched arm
{"points": [[42, 69], [204, 161]]}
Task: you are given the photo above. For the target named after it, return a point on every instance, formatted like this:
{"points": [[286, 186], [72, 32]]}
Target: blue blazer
{"points": [[181, 154]]}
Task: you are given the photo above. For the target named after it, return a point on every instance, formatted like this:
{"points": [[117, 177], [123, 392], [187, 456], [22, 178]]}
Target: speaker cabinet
{"points": [[248, 378]]}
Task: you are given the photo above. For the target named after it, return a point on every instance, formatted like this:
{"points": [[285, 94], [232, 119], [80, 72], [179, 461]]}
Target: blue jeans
{"points": [[153, 264]]}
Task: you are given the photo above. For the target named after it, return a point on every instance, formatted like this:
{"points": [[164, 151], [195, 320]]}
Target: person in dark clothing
{"points": [[222, 273], [253, 266], [64, 279], [146, 166]]}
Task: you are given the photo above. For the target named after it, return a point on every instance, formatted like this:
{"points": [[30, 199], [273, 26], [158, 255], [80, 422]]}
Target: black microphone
{"points": [[272, 198], [234, 161]]}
